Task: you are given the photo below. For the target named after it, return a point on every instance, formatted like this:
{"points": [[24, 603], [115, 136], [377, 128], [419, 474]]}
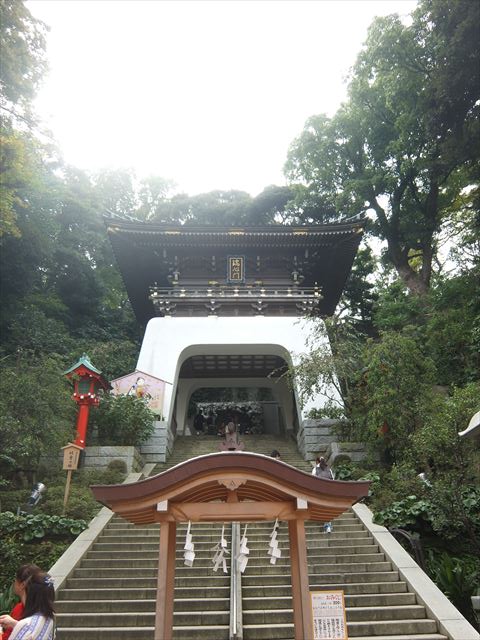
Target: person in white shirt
{"points": [[322, 470], [38, 621]]}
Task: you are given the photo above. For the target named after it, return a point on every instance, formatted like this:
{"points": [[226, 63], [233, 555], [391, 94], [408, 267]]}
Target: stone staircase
{"points": [[111, 594]]}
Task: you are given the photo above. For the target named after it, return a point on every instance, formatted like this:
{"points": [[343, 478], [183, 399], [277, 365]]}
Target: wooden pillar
{"points": [[165, 582], [302, 610]]}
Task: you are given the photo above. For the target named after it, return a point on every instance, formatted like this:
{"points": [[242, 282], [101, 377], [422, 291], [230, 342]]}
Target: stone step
{"points": [[344, 567], [202, 559], [252, 580], [325, 552], [268, 616], [358, 588], [389, 628], [119, 547], [129, 583], [344, 559], [363, 600], [263, 591], [112, 633], [380, 599], [105, 619], [210, 632], [206, 632], [340, 577], [197, 618], [272, 631], [335, 535], [395, 613], [138, 594], [424, 636]]}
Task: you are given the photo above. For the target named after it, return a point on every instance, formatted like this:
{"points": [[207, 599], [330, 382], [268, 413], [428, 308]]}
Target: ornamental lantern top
{"points": [[83, 362], [87, 380]]}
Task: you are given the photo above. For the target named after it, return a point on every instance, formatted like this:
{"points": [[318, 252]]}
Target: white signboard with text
{"points": [[329, 619]]}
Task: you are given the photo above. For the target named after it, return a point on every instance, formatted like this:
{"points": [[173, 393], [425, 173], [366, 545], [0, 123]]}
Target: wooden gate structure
{"points": [[231, 487]]}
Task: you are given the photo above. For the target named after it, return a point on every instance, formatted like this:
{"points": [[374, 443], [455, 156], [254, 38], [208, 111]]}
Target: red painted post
{"points": [[82, 423]]}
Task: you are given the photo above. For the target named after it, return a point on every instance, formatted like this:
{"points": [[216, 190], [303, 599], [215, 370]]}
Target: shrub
{"points": [[123, 420], [457, 577], [81, 503], [24, 539], [403, 514], [39, 526]]}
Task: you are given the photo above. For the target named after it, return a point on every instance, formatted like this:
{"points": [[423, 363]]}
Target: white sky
{"points": [[208, 94]]}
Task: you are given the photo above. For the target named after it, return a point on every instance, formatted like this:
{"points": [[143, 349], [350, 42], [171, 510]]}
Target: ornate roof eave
{"points": [[141, 252], [230, 486], [176, 233]]}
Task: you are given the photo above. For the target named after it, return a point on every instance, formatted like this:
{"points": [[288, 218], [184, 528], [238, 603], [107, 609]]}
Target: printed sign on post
{"points": [[329, 619], [71, 455]]}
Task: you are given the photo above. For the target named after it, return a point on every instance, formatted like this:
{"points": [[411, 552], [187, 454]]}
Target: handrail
{"points": [[236, 625], [415, 544]]}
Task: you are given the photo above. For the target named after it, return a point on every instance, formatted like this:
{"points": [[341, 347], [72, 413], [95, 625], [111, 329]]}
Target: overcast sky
{"points": [[208, 94]]}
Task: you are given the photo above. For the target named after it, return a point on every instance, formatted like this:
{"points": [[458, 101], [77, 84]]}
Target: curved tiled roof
{"points": [[141, 248], [213, 478]]}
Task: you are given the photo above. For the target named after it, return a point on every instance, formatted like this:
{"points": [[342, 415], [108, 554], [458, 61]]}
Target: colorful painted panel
{"points": [[141, 385]]}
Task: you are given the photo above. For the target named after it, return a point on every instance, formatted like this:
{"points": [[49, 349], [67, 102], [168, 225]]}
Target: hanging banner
{"points": [[329, 618]]}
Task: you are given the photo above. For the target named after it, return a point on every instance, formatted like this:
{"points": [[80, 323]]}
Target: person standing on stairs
{"points": [[37, 622], [322, 470], [198, 422]]}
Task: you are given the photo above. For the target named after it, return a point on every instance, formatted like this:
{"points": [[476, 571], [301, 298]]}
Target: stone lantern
{"points": [[87, 381]]}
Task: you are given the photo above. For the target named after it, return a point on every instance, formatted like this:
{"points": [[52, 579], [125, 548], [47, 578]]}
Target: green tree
{"points": [[22, 47], [393, 394], [212, 208], [22, 52], [405, 144], [37, 415], [273, 205], [359, 294], [332, 364]]}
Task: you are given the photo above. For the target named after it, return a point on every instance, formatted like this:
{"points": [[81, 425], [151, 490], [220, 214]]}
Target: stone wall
{"points": [[345, 451], [314, 437], [100, 457], [159, 446]]}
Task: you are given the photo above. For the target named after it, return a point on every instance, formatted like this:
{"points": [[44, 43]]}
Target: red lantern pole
{"points": [[87, 382], [82, 423]]}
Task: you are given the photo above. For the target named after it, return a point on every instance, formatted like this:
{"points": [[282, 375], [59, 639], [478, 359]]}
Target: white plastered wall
{"points": [[170, 341]]}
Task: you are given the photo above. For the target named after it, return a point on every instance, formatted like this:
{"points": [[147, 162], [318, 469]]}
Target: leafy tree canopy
{"points": [[405, 145], [22, 45]]}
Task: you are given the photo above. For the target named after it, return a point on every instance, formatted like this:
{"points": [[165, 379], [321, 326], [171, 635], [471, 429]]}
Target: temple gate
{"points": [[231, 487], [230, 307]]}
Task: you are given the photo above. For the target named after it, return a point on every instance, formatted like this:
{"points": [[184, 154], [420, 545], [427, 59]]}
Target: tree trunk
{"points": [[413, 280]]}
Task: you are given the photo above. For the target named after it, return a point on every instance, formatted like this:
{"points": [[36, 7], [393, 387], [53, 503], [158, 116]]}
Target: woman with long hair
{"points": [[38, 619], [22, 578]]}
